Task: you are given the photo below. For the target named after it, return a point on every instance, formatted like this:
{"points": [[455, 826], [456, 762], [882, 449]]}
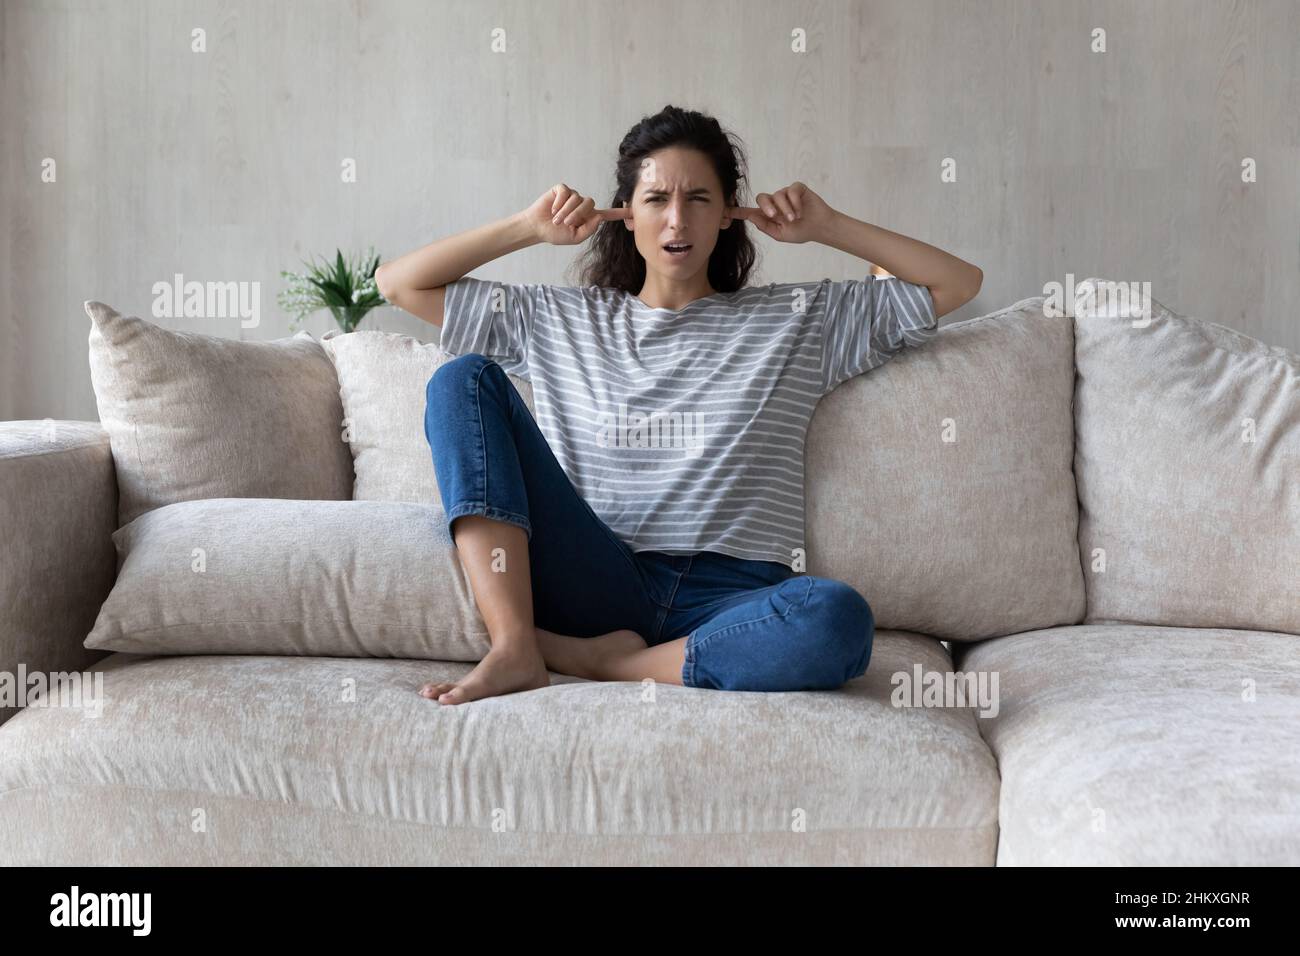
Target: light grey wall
{"points": [[225, 165]]}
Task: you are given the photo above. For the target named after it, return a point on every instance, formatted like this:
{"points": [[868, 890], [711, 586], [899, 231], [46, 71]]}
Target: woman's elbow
{"points": [[384, 283]]}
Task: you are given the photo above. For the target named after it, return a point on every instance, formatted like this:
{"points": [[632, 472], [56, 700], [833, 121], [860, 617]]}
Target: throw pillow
{"points": [[194, 416], [275, 576]]}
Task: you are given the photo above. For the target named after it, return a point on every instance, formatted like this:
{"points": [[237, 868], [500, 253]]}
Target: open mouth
{"points": [[677, 250]]}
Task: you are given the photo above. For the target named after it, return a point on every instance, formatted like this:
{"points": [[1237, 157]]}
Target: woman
{"points": [[649, 522]]}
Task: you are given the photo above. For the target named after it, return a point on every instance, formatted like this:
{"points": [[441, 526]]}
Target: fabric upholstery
{"points": [[270, 576], [198, 416], [994, 560], [328, 760], [940, 485], [58, 509], [382, 378], [1188, 468], [1113, 742], [1132, 745]]}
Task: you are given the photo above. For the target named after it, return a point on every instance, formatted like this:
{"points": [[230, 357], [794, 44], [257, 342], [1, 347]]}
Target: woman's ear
{"points": [[726, 215]]}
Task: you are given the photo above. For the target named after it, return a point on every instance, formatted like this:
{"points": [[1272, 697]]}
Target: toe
{"points": [[454, 696]]}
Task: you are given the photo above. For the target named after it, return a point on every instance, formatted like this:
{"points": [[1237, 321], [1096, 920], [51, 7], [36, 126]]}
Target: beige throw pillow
{"points": [[382, 378], [275, 576], [198, 416]]}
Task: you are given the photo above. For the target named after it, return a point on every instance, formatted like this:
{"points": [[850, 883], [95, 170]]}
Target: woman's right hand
{"points": [[564, 217]]}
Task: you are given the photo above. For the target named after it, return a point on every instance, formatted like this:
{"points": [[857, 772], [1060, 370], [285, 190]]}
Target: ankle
{"points": [[607, 660], [515, 644]]}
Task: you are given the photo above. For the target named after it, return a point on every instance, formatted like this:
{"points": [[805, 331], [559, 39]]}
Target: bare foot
{"points": [[586, 657], [501, 671]]}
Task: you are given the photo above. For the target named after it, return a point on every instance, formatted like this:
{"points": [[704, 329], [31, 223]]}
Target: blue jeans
{"points": [[750, 625]]}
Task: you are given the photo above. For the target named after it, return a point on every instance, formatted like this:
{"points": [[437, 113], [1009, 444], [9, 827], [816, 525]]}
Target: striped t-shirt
{"points": [[684, 430]]}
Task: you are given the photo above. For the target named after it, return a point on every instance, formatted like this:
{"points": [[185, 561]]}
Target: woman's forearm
{"points": [[909, 259], [454, 257]]}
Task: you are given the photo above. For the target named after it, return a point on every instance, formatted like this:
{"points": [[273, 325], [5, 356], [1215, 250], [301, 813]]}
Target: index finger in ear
{"points": [[618, 212], [746, 212]]}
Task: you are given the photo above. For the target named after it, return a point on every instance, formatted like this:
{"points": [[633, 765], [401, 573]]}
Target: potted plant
{"points": [[346, 288]]}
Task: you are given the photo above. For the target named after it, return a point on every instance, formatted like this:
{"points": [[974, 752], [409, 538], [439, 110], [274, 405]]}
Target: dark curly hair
{"points": [[611, 258]]}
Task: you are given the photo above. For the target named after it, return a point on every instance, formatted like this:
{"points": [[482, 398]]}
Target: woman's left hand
{"points": [[792, 214]]}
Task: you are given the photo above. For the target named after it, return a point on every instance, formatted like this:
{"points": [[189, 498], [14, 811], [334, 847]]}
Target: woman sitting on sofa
{"points": [[649, 522]]}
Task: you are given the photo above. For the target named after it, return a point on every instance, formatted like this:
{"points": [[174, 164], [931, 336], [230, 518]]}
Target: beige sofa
{"points": [[1094, 518]]}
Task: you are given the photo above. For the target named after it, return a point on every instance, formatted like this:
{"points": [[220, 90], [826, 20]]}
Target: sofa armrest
{"points": [[58, 512]]}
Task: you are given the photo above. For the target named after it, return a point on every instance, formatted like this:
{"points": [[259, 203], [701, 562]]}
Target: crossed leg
{"points": [[617, 656]]}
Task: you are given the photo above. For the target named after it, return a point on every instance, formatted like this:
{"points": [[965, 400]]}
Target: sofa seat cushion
{"points": [[292, 760], [1137, 745]]}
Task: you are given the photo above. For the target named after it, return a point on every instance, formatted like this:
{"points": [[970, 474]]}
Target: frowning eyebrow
{"points": [[698, 191]]}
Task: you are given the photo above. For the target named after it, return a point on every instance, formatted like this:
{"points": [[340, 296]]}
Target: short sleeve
{"points": [[869, 321], [491, 318]]}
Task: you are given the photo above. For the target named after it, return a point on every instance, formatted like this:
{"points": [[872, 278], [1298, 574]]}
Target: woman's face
{"points": [[678, 198]]}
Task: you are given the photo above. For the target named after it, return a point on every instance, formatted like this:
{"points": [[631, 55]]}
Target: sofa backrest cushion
{"points": [[199, 416], [940, 485], [1188, 467]]}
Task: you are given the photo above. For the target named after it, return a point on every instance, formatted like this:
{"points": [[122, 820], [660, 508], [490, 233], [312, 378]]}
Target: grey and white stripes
{"points": [[684, 431]]}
